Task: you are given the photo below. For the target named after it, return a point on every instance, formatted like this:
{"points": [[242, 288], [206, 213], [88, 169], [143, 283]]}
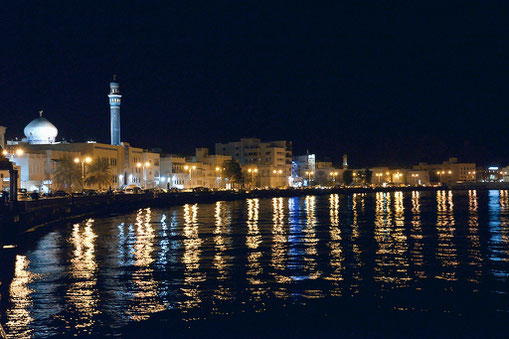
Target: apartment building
{"points": [[272, 160], [450, 171]]}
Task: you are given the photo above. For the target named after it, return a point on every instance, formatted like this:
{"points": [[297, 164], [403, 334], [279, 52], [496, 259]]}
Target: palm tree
{"points": [[98, 173], [67, 174]]}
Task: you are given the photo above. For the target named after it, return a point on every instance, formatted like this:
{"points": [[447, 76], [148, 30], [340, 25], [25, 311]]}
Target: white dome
{"points": [[41, 131]]}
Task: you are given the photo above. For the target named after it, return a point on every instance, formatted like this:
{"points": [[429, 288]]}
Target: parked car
{"points": [[22, 194], [132, 189], [200, 189], [60, 193], [90, 192]]}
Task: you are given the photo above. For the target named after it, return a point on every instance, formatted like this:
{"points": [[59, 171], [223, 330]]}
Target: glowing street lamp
{"points": [[309, 174], [334, 175], [83, 161], [18, 152], [471, 175], [145, 165], [253, 172], [190, 169], [277, 172], [219, 176]]}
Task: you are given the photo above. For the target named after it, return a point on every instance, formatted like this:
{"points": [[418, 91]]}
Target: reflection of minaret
{"points": [[115, 111], [345, 161]]}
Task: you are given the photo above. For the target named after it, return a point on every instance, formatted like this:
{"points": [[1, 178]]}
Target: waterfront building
{"points": [[326, 175], [128, 165], [505, 173], [492, 174], [172, 171], [272, 159], [36, 168], [181, 173], [265, 176], [384, 176], [200, 170], [450, 171], [307, 170], [140, 166], [213, 167], [303, 169]]}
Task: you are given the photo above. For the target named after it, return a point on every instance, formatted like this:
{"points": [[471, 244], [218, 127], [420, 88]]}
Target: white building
{"points": [[38, 153], [272, 160], [201, 170]]}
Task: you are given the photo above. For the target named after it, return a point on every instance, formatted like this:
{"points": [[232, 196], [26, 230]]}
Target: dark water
{"points": [[429, 253]]}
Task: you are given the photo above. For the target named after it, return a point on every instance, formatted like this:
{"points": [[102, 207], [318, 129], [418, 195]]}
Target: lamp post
{"points": [[334, 175], [471, 175], [83, 161], [278, 172], [416, 179], [219, 176], [442, 173], [379, 175], [388, 174], [309, 174], [397, 176], [190, 169], [253, 172], [18, 152], [145, 166]]}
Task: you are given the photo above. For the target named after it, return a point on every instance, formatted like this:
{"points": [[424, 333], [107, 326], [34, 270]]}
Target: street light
{"points": [[219, 177], [334, 175], [253, 172], [472, 175], [278, 172], [83, 161], [309, 174], [18, 152], [190, 169], [145, 166], [442, 173]]}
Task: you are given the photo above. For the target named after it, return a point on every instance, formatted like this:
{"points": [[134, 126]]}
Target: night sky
{"points": [[388, 84]]}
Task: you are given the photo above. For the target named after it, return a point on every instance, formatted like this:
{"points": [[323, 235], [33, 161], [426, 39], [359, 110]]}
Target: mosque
{"points": [[39, 151], [40, 131]]}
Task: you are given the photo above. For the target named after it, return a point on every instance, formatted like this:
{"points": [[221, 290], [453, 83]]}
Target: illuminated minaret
{"points": [[115, 111], [345, 161]]}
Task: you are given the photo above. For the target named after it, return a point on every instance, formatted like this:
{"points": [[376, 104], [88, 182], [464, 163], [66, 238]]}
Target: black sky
{"points": [[387, 84]]}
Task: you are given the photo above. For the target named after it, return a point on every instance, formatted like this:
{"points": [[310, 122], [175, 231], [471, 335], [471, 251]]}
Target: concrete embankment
{"points": [[23, 216]]}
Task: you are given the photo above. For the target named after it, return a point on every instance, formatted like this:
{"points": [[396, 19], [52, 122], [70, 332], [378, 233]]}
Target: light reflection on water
{"points": [[82, 295], [100, 274], [18, 315]]}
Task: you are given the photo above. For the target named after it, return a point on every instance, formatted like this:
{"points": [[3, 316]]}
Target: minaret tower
{"points": [[345, 161], [115, 98]]}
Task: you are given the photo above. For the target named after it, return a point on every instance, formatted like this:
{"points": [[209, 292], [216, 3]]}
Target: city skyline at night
{"points": [[387, 91]]}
